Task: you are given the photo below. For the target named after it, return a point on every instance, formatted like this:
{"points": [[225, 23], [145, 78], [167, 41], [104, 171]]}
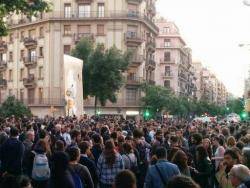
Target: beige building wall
{"points": [[37, 78]]}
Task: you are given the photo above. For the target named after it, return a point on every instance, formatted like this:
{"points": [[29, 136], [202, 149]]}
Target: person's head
{"points": [[246, 156], [96, 138], [24, 182], [201, 153], [239, 174], [125, 179], [225, 132], [109, 152], [161, 153], [181, 182], [85, 147], [196, 138], [73, 153], [231, 142], [127, 148], [206, 143], [240, 145], [13, 132], [230, 158], [59, 145], [58, 128], [76, 135], [60, 163], [30, 135], [180, 159], [159, 135], [41, 146], [217, 141], [174, 141], [137, 134]]}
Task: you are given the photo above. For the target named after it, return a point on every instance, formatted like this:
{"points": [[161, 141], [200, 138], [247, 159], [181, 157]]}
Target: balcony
{"points": [[30, 82], [30, 42], [136, 61], [3, 83], [56, 102], [151, 45], [79, 36], [134, 81], [3, 65], [134, 1], [167, 75], [170, 61], [3, 47], [133, 38], [30, 61], [151, 64], [84, 1]]}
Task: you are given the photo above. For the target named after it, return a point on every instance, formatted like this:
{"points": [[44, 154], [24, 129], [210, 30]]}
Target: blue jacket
{"points": [[11, 156], [167, 169]]}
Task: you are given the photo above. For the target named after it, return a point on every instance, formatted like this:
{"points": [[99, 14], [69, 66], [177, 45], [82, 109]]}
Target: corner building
{"points": [[31, 55]]}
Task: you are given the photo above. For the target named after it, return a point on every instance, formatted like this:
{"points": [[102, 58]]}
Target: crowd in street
{"points": [[111, 152]]}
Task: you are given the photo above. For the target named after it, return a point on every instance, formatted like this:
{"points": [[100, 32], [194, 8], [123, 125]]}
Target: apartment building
{"points": [[174, 60], [32, 54]]}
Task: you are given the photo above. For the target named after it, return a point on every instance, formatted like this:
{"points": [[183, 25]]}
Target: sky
{"points": [[214, 29]]}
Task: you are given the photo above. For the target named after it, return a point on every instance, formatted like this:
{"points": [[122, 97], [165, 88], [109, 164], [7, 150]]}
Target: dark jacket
{"points": [[90, 164], [65, 180], [96, 151], [11, 156], [204, 168]]}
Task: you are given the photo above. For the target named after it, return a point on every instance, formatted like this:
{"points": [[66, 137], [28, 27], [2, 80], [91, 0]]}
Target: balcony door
{"points": [[31, 96], [84, 10]]}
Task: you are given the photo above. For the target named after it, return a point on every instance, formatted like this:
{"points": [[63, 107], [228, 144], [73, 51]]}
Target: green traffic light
{"points": [[244, 115], [147, 114]]}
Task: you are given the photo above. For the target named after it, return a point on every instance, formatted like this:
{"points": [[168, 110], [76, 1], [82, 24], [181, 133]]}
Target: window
{"points": [[100, 29], [131, 96], [83, 10], [167, 42], [10, 75], [166, 30], [22, 35], [40, 95], [21, 73], [67, 10], [31, 96], [84, 29], [32, 33], [167, 83], [10, 92], [11, 56], [11, 37], [21, 55], [132, 10], [40, 74], [32, 55], [67, 30], [132, 31], [41, 32], [167, 56], [100, 10], [21, 95], [41, 51], [167, 70], [66, 49]]}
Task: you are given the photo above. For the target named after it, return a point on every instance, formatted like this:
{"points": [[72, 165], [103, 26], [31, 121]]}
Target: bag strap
{"points": [[161, 176]]}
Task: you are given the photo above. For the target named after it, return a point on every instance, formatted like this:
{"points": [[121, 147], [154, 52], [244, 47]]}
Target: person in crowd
{"points": [[29, 141], [207, 145], [24, 182], [110, 163], [125, 179], [159, 174], [87, 161], [246, 156], [230, 158], [181, 182], [204, 167], [75, 138], [231, 142], [183, 142], [78, 169], [240, 176], [11, 154], [61, 176], [66, 135], [97, 146], [218, 143], [129, 158], [59, 146]]}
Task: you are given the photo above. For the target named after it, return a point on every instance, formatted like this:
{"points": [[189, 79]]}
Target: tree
{"points": [[102, 75], [235, 105], [14, 107], [27, 7]]}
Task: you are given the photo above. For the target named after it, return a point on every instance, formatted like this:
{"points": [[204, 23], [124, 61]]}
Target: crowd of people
{"points": [[111, 152]]}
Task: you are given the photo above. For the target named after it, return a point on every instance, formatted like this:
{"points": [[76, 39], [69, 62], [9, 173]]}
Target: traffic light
{"points": [[243, 115], [98, 112], [146, 114]]}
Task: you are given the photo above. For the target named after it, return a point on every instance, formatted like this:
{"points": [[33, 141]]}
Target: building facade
{"points": [[174, 60], [32, 54]]}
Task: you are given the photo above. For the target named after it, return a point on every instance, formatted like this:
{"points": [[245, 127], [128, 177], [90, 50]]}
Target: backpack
{"points": [[41, 170], [77, 180]]}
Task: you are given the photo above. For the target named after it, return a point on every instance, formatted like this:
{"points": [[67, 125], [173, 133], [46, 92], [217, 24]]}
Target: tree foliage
{"points": [[14, 107], [160, 99], [102, 71], [27, 7], [235, 105]]}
